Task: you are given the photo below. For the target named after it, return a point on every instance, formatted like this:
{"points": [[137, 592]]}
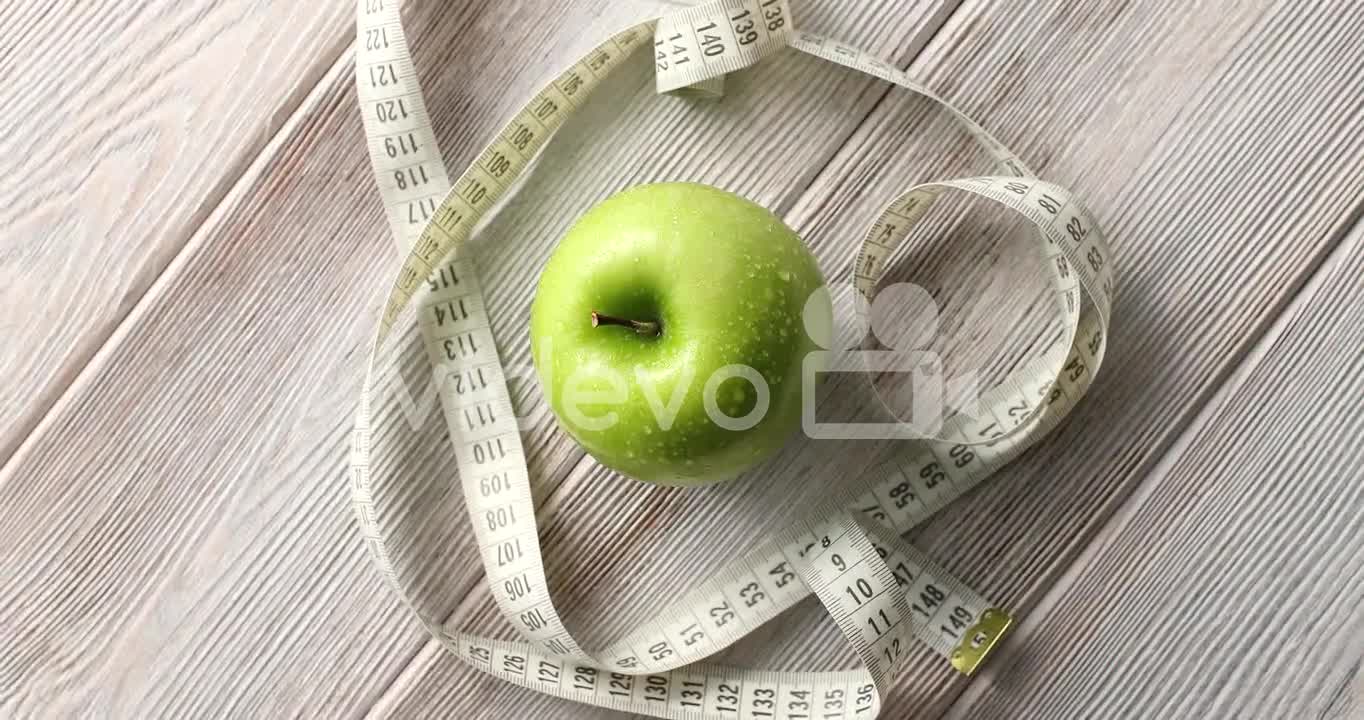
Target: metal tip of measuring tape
{"points": [[980, 639]]}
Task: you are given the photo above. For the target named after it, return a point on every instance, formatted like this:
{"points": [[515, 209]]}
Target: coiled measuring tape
{"points": [[881, 591]]}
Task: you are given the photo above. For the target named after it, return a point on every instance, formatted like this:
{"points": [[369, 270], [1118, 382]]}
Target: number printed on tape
{"points": [[881, 592]]}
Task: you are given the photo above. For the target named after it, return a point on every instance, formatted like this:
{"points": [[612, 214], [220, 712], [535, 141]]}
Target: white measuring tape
{"points": [[880, 591]]}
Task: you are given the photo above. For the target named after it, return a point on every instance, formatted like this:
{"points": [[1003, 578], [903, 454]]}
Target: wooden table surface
{"points": [[191, 264]]}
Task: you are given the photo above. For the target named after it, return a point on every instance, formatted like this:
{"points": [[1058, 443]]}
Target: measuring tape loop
{"points": [[880, 591]]}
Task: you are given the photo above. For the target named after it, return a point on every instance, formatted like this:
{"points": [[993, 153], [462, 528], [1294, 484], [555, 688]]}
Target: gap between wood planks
{"points": [[1257, 346], [238, 181]]}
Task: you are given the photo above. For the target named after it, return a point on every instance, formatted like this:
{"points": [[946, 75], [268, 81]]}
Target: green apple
{"points": [[668, 332]]}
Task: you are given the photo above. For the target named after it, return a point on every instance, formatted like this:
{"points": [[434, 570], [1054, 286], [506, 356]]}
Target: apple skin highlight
{"points": [[656, 292]]}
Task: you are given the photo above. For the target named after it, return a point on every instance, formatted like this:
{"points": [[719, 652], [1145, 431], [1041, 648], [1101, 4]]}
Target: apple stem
{"points": [[643, 327]]}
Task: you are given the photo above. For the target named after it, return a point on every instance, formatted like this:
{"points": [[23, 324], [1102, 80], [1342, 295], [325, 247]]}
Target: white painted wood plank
{"points": [[1232, 584], [189, 548], [1177, 158], [125, 124], [182, 543]]}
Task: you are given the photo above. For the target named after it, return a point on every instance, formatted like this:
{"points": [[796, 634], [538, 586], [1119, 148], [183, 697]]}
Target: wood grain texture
{"points": [[1175, 133], [1180, 122], [1166, 119], [1232, 583], [125, 124], [182, 543]]}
